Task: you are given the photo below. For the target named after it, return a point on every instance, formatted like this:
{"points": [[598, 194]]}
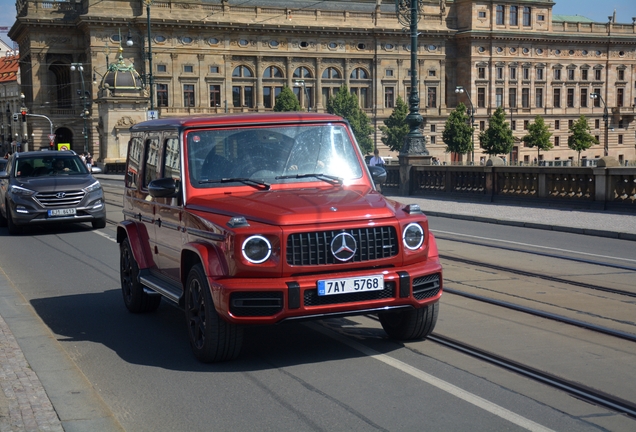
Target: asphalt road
{"points": [[110, 369]]}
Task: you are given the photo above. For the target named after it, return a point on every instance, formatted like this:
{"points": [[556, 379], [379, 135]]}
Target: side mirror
{"points": [[378, 174], [4, 175], [163, 188]]}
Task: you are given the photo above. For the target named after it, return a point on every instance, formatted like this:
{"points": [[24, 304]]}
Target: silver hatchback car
{"points": [[49, 187]]}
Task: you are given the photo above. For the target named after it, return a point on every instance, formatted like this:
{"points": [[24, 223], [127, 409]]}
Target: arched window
{"points": [[272, 72], [361, 86], [242, 72], [331, 73], [359, 73], [302, 72], [243, 95], [273, 86]]}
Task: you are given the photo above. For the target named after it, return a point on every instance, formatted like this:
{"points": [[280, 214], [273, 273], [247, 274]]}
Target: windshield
{"points": [[271, 154], [44, 166]]}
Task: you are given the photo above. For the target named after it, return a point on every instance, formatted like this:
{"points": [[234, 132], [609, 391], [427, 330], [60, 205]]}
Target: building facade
{"points": [[10, 101], [221, 56]]}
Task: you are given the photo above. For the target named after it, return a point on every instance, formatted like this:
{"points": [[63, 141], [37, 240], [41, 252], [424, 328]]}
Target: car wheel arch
{"points": [[138, 238]]}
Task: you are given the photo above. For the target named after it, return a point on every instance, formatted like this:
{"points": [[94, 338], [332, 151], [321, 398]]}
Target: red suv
{"points": [[263, 218]]}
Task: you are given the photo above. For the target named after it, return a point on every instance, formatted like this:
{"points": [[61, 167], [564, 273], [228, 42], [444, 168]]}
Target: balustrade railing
{"points": [[592, 187]]}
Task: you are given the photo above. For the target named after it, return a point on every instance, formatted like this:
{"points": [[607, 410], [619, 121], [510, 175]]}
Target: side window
{"points": [[135, 148], [152, 161], [172, 159]]}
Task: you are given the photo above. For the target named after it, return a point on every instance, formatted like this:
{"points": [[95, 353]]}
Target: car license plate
{"points": [[62, 212], [350, 285]]}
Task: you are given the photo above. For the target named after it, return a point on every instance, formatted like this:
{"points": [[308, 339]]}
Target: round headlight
{"points": [[257, 249], [413, 236]]}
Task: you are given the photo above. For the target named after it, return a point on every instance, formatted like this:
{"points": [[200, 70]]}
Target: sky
{"points": [[598, 10]]}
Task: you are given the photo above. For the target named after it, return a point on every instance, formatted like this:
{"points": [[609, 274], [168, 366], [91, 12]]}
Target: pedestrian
{"points": [[376, 160], [89, 161]]}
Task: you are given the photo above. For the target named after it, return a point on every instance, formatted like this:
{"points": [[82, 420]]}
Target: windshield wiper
{"points": [[320, 176], [244, 180]]}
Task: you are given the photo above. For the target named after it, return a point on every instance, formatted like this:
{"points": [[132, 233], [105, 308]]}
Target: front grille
{"points": [[256, 303], [312, 298], [426, 286], [314, 248], [60, 199]]}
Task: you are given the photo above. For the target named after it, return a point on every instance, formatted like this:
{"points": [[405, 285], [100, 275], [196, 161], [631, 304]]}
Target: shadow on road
{"points": [[159, 339]]}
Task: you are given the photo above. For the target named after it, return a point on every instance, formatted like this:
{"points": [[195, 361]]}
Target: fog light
{"points": [[21, 209]]}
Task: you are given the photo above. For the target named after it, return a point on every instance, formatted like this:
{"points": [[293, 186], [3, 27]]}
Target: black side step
{"points": [[168, 289]]}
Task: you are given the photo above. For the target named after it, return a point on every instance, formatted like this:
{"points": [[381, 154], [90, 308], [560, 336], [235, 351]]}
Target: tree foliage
{"points": [[458, 132], [396, 128], [287, 101], [346, 105], [538, 136], [580, 138], [497, 138]]}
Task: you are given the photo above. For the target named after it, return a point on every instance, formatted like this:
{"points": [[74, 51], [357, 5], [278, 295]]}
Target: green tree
{"points": [[497, 138], [458, 132], [287, 101], [580, 138], [346, 105], [396, 128], [538, 136]]}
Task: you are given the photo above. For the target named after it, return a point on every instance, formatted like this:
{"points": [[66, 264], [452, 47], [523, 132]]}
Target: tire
{"points": [[11, 226], [212, 339], [99, 223], [135, 299], [411, 324]]}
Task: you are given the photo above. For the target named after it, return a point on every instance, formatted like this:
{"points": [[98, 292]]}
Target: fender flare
{"points": [[137, 235], [213, 263]]}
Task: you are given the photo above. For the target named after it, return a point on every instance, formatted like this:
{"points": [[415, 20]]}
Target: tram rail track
{"points": [[576, 389], [542, 276]]}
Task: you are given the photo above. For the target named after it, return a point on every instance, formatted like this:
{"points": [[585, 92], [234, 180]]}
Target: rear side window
{"points": [[151, 169], [134, 156], [172, 159]]}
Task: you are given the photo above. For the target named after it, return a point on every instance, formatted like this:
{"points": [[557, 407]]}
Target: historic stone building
{"points": [[215, 56]]}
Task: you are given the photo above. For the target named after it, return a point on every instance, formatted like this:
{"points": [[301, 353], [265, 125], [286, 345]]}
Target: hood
{"points": [[55, 183], [298, 207]]}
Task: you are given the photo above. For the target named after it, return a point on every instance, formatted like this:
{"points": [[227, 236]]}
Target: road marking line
{"points": [[434, 381], [533, 245], [105, 235]]}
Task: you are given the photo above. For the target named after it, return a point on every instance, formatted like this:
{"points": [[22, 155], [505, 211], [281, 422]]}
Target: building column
{"points": [[260, 105], [319, 105]]}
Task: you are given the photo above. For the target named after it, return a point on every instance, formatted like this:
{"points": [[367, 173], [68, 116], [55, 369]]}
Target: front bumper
{"points": [[25, 212], [269, 301]]}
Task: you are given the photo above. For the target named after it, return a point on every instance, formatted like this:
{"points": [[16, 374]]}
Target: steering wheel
{"points": [[250, 166]]}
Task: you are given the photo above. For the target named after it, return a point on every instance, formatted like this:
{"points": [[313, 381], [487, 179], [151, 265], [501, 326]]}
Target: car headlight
{"points": [[257, 249], [413, 236], [17, 190], [95, 186]]}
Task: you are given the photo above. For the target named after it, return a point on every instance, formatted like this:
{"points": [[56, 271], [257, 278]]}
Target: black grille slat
{"points": [[313, 248], [426, 286], [53, 200], [311, 297], [256, 303]]}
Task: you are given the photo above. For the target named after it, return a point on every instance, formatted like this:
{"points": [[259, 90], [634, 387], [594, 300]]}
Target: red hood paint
{"points": [[297, 206]]}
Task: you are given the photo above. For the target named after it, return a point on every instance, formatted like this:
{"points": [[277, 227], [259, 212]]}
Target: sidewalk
{"points": [[25, 405]]}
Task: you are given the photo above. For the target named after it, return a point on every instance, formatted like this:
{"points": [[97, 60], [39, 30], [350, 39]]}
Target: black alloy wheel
{"points": [[135, 298]]}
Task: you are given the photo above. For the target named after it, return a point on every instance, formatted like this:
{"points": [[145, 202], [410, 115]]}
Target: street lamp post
{"points": [[408, 15], [85, 113], [150, 77], [461, 90], [605, 120]]}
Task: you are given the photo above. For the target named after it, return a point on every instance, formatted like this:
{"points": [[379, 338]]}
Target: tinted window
{"points": [[50, 165], [134, 156]]}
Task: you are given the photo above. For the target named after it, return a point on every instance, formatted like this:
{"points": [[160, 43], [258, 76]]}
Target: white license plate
{"points": [[62, 212], [350, 285]]}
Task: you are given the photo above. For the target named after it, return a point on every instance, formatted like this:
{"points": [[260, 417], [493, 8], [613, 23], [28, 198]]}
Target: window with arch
{"points": [[361, 86], [242, 72], [359, 73], [272, 88], [331, 73], [302, 72], [243, 90], [272, 72]]}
